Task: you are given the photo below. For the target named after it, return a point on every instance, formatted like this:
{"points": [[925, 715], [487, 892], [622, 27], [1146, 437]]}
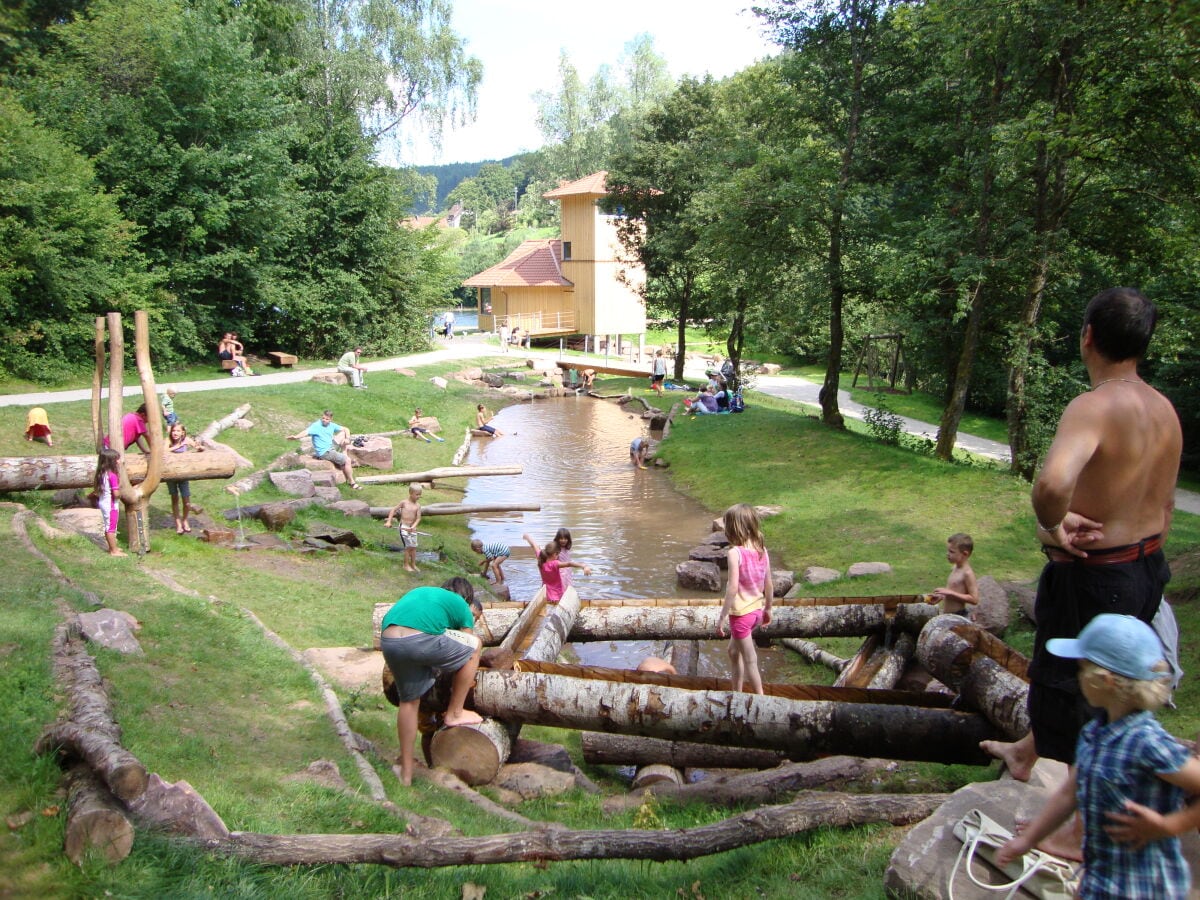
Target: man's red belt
{"points": [[1109, 556]]}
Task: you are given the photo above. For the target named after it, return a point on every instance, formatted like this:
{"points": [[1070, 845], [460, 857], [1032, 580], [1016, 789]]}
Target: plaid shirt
{"points": [[1118, 761]]}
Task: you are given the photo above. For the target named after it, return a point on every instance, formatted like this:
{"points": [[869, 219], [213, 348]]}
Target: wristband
{"points": [[1052, 528]]}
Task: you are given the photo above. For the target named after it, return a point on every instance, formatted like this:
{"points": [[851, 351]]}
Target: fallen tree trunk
{"points": [[96, 822], [892, 662], [602, 749], [950, 648], [121, 771], [442, 472], [50, 473], [815, 654], [474, 753], [215, 428], [733, 718], [806, 812], [751, 787]]}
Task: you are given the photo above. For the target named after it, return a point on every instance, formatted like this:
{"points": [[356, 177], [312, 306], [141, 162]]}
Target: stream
{"points": [[629, 525]]}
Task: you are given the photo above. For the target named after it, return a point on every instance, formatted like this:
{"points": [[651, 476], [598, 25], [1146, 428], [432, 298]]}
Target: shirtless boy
{"points": [[1103, 502], [410, 518], [961, 587]]}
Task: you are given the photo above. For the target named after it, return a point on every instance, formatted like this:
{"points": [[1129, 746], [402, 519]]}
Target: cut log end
{"points": [[472, 752]]}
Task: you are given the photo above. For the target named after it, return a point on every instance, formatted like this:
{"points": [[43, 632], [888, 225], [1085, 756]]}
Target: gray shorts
{"points": [[337, 457], [409, 538], [416, 659]]}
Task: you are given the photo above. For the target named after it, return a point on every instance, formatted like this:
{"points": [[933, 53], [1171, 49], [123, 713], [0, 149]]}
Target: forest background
{"points": [[965, 173]]}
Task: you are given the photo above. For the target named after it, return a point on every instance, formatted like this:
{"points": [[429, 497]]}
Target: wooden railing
{"points": [[542, 322]]}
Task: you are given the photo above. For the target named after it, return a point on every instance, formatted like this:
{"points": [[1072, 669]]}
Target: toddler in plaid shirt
{"points": [[1130, 777]]}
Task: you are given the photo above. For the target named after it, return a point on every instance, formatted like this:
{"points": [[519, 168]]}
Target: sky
{"points": [[518, 42]]}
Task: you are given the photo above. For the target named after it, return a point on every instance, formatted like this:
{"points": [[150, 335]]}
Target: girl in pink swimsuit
{"points": [[748, 595]]}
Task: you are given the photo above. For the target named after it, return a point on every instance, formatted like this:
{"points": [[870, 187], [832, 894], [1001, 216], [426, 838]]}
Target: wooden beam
{"points": [[603, 370]]}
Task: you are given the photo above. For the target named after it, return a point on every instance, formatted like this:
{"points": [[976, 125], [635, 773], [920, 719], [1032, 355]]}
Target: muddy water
{"points": [[629, 525]]}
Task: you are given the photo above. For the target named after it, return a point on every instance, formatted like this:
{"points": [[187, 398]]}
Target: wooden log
{"points": [[499, 617], [949, 647], [733, 718], [861, 667], [657, 774], [119, 769], [603, 370], [602, 749], [95, 820], [814, 653], [893, 661], [442, 472], [474, 753], [754, 787], [216, 427], [46, 473], [808, 811]]}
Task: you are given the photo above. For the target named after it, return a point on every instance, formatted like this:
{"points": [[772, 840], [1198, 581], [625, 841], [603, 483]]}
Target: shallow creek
{"points": [[629, 525]]}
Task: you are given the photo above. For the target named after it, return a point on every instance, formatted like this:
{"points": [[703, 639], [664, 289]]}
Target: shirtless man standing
{"points": [[1103, 501]]}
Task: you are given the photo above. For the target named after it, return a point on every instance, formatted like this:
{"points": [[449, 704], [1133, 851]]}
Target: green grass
{"points": [[213, 703]]}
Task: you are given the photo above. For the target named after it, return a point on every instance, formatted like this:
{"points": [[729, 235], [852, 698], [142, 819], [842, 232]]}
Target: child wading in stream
{"points": [[748, 595], [551, 566]]}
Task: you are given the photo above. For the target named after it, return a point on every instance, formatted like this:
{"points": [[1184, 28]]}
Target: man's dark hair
{"points": [[1122, 323], [462, 587]]}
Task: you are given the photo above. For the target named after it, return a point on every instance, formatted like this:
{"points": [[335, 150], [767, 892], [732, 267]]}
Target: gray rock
{"points": [[375, 453], [111, 628], [439, 382], [782, 581], [323, 478], [82, 520], [532, 780], [318, 544], [351, 507], [860, 569], [472, 374], [326, 494], [330, 378], [515, 376], [660, 463], [334, 535], [821, 575], [992, 612], [267, 541], [711, 553], [718, 539], [698, 576], [297, 482], [1024, 594], [69, 498], [493, 380]]}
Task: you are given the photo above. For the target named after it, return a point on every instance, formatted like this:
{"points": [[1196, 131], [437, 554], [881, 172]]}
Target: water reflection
{"points": [[629, 525]]}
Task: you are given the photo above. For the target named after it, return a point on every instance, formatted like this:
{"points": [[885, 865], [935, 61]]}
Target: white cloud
{"points": [[519, 41]]}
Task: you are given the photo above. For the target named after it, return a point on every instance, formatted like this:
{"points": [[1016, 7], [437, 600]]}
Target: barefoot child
{"points": [[551, 566], [410, 517], [494, 555], [961, 587], [107, 485], [420, 431], [180, 490], [1124, 759], [483, 418], [747, 596]]}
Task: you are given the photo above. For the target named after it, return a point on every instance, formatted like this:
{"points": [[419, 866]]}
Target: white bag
{"points": [[1038, 873]]}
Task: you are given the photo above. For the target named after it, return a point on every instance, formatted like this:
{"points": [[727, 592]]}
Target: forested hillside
{"points": [[448, 177]]}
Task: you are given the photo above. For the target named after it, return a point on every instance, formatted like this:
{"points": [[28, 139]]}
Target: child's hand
{"points": [[1012, 849], [766, 619], [721, 625], [388, 523], [587, 570], [1137, 826]]}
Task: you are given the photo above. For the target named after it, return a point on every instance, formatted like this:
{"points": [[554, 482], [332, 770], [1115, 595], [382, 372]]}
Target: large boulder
{"points": [[782, 581], [712, 554], [992, 612], [861, 569], [493, 380], [531, 780], [276, 516], [372, 451], [334, 535], [111, 628], [821, 575], [330, 378], [297, 482], [351, 507], [698, 576]]}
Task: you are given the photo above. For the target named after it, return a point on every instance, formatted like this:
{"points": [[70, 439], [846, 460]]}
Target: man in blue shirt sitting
{"points": [[324, 433]]}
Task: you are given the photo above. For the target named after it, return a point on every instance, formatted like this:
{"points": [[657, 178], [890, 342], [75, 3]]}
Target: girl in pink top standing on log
{"points": [[551, 567], [748, 595]]}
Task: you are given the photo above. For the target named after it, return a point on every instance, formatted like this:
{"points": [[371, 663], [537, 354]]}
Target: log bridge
{"points": [[567, 364]]}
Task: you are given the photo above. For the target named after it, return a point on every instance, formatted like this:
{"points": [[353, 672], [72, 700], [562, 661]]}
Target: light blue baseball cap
{"points": [[1121, 644]]}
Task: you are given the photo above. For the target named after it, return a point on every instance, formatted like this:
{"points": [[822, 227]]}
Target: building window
{"points": [[566, 249]]}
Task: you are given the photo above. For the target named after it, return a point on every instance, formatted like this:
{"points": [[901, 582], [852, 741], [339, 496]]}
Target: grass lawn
{"points": [[213, 703]]}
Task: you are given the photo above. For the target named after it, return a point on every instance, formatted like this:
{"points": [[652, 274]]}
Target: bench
{"points": [[281, 360]]}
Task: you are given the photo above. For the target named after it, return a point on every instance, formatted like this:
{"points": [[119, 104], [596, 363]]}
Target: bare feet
{"points": [[116, 553], [187, 529], [1066, 841], [1017, 757], [467, 718]]}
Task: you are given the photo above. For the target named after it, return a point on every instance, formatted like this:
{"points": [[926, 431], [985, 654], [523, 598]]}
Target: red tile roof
{"points": [[593, 184], [533, 264]]}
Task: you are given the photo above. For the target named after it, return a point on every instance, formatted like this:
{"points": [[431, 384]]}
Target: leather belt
{"points": [[1109, 556]]}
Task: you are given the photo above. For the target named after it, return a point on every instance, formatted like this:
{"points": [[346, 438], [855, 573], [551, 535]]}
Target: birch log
{"points": [[892, 663], [216, 427], [442, 472], [987, 674], [815, 654], [474, 753], [806, 812], [728, 718], [625, 750], [48, 473]]}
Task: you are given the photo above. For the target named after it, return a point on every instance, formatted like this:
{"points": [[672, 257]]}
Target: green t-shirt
{"points": [[431, 610]]}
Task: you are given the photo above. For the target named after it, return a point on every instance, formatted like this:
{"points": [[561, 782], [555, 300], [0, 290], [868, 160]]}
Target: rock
{"points": [[439, 382], [324, 465], [351, 507], [517, 393], [992, 612], [330, 378], [500, 592], [699, 576], [323, 478], [297, 482], [430, 423], [327, 494], [768, 369], [267, 541], [718, 524], [821, 575], [532, 780], [410, 373], [218, 536], [718, 539], [375, 452], [69, 498], [334, 535], [712, 554], [782, 581], [472, 374], [660, 463], [323, 772], [515, 376], [1024, 594], [111, 628], [243, 424], [318, 544], [860, 569], [276, 516], [492, 380], [177, 807]]}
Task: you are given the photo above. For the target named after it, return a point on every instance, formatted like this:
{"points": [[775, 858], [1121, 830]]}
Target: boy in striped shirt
{"points": [[494, 555]]}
